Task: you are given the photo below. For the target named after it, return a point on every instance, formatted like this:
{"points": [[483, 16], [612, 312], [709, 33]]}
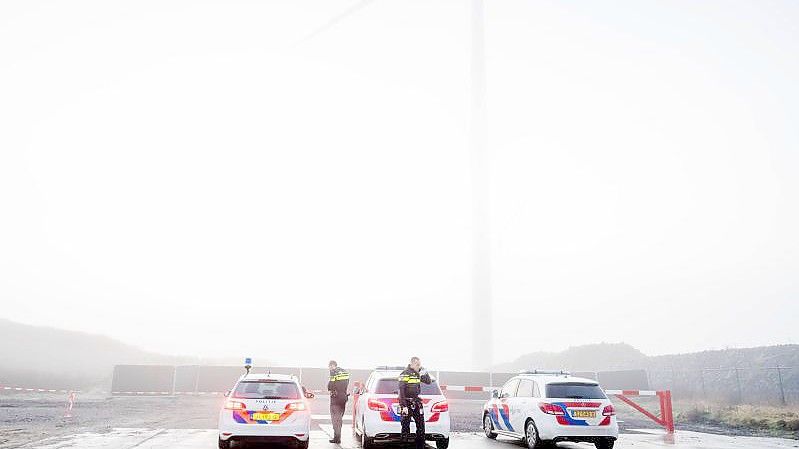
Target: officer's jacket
{"points": [[338, 383], [410, 383]]}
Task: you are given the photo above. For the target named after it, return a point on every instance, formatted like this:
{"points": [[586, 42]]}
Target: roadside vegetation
{"points": [[752, 419]]}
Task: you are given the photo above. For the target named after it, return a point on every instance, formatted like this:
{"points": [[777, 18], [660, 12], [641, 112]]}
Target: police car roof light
{"points": [[390, 368]]}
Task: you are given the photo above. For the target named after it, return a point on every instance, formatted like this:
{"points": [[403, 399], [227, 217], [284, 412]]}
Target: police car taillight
{"points": [[377, 405], [608, 411], [234, 405], [551, 409], [296, 406], [439, 407]]}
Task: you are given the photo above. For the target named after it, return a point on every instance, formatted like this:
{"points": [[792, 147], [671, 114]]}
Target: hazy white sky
{"points": [[193, 178]]}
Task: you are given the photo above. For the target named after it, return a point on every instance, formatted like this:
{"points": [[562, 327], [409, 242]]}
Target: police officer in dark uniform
{"points": [[337, 386], [410, 386]]}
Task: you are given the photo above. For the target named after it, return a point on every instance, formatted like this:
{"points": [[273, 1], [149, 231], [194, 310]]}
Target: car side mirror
{"points": [[495, 394], [309, 395], [227, 393]]}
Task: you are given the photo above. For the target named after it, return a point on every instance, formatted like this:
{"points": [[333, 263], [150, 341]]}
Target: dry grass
{"points": [[782, 421]]}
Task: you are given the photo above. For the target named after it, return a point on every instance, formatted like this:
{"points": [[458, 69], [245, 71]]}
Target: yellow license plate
{"points": [[583, 413], [265, 416]]}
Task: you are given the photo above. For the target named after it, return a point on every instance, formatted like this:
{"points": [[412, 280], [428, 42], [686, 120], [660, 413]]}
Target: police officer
{"points": [[410, 386], [337, 386]]}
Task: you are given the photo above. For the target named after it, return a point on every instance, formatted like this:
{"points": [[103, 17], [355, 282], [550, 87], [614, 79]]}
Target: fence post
{"points": [[704, 390], [738, 382], [782, 388]]}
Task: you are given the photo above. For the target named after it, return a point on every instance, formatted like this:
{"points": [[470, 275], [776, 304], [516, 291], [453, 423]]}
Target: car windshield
{"points": [[266, 389], [391, 386], [575, 390]]}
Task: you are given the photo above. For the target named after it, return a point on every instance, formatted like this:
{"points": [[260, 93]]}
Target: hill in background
{"points": [[621, 356], [44, 357]]}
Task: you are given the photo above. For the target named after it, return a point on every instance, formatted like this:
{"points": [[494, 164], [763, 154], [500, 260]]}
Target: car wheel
{"points": [[605, 443], [442, 444], [366, 442], [303, 444], [224, 444], [488, 427], [531, 435]]}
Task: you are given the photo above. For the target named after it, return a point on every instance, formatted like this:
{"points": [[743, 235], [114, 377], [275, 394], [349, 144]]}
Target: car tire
{"points": [[366, 442], [605, 443], [488, 427], [224, 444], [442, 444], [303, 444], [531, 438]]}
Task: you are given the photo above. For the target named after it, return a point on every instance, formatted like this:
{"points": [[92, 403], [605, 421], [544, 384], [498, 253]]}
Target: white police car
{"points": [[546, 407], [376, 416], [265, 408]]}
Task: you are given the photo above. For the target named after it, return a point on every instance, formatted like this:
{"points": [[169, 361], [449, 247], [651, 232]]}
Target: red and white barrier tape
{"points": [[39, 390], [632, 392], [465, 388]]}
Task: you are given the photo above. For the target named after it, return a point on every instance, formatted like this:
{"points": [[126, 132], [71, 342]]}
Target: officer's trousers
{"points": [[337, 416], [415, 411]]}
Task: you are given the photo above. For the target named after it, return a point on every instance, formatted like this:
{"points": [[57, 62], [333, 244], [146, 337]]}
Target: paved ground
{"points": [[189, 422], [206, 439]]}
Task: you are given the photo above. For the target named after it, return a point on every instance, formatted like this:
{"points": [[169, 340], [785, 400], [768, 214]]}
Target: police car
{"points": [[376, 406], [544, 407], [265, 408]]}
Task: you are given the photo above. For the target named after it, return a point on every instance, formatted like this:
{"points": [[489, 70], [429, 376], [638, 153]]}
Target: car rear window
{"points": [[575, 390], [391, 386], [266, 389]]}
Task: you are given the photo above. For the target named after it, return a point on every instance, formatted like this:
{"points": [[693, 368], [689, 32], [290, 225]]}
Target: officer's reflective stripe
{"points": [[340, 376], [410, 379]]}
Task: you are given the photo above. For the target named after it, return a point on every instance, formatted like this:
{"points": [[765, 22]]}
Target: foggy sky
{"points": [[196, 178]]}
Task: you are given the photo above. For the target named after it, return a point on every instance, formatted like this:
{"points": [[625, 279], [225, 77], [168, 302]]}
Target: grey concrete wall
{"points": [[193, 378], [147, 378], [623, 380]]}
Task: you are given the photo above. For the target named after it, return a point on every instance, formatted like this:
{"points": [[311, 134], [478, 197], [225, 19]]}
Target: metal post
{"points": [[197, 380], [482, 328], [782, 388], [704, 390], [174, 379], [673, 385], [738, 382]]}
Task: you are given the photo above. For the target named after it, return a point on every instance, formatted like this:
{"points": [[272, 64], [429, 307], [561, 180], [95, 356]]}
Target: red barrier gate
{"points": [[666, 418]]}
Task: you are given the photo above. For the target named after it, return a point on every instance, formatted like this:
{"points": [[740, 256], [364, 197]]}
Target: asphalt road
{"points": [[189, 423], [206, 439]]}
